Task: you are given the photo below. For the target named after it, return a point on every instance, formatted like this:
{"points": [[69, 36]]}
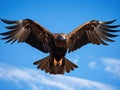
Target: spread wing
{"points": [[30, 32], [95, 32]]}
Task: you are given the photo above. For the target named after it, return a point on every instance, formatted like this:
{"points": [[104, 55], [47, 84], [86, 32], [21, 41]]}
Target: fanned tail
{"points": [[48, 65]]}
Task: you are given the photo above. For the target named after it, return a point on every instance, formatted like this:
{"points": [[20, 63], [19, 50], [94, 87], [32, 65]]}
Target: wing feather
{"points": [[30, 32], [103, 36], [8, 21], [107, 33], [109, 22], [94, 31]]}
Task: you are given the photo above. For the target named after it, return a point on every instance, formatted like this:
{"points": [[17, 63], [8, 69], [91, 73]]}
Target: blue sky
{"points": [[99, 66]]}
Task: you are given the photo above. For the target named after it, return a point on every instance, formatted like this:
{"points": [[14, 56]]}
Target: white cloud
{"points": [[40, 81], [92, 65], [112, 65]]}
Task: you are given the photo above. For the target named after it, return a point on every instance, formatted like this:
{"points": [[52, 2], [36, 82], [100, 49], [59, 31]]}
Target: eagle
{"points": [[58, 44]]}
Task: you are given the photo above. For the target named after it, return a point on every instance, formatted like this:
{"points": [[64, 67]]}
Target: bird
{"points": [[58, 44]]}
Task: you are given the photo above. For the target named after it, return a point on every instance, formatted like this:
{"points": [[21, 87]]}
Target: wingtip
{"points": [[2, 19], [1, 33], [109, 22], [35, 63], [114, 20], [117, 35], [7, 21]]}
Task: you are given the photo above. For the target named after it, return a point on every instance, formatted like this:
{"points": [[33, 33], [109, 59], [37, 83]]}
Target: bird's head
{"points": [[61, 36]]}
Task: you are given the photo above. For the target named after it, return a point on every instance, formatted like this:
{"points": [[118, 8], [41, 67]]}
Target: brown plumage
{"points": [[95, 32]]}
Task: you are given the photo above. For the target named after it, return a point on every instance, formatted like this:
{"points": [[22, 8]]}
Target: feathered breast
{"points": [[60, 43]]}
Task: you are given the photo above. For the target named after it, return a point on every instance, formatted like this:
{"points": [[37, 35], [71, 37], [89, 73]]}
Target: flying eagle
{"points": [[57, 44]]}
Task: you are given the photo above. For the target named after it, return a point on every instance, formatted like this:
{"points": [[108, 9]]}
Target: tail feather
{"points": [[44, 64], [56, 70], [69, 65]]}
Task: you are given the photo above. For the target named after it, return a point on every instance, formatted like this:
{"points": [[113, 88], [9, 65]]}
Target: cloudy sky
{"points": [[99, 66]]}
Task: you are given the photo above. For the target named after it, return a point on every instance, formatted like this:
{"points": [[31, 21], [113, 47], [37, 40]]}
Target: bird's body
{"points": [[57, 60], [57, 45], [60, 46], [58, 49]]}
